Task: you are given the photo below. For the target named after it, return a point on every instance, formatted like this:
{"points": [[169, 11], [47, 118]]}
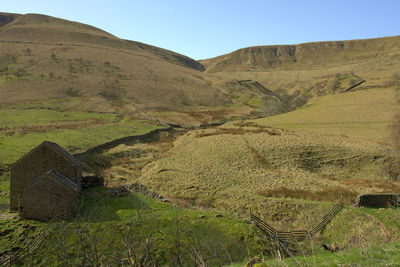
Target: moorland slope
{"points": [[45, 58], [80, 86], [64, 65], [313, 69]]}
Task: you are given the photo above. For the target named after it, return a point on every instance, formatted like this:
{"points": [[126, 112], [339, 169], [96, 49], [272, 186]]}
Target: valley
{"points": [[282, 131]]}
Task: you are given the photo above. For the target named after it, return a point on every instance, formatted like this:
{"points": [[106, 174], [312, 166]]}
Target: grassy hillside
{"points": [[312, 69], [132, 229], [363, 114], [43, 59], [289, 168], [237, 168], [289, 178], [308, 55]]}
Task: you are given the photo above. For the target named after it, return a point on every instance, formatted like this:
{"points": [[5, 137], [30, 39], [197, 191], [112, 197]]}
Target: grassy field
{"points": [[22, 130], [363, 114], [387, 255]]}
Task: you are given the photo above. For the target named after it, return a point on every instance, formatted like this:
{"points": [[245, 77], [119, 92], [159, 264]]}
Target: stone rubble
{"points": [[137, 188]]}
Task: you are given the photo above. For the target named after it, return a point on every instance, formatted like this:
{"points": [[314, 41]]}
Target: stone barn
{"points": [[46, 183]]}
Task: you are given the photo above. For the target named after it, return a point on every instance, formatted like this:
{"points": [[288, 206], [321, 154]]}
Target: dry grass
{"points": [[313, 68], [381, 186], [330, 195], [125, 162], [227, 171], [363, 114], [318, 55]]}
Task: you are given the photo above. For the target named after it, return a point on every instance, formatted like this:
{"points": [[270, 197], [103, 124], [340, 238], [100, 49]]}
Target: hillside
{"points": [[79, 67], [308, 55], [45, 29], [313, 69], [365, 114], [59, 64]]}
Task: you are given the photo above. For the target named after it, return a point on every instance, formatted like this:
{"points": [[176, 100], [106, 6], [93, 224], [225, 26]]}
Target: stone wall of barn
{"points": [[48, 198], [35, 164]]}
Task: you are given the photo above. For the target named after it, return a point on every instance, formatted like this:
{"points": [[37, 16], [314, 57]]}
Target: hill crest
{"points": [[285, 57]]}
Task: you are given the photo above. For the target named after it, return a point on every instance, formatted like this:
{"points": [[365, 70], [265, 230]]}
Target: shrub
{"points": [[72, 92], [113, 94]]}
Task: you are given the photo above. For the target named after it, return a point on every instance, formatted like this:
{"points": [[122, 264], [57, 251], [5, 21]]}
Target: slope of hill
{"points": [[308, 55], [313, 69], [363, 114], [45, 29], [43, 59]]}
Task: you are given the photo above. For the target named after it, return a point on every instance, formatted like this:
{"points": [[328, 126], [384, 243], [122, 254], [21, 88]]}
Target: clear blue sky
{"points": [[207, 28]]}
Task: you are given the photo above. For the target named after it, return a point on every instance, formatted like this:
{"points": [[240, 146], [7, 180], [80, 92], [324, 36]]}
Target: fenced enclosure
{"points": [[297, 235]]}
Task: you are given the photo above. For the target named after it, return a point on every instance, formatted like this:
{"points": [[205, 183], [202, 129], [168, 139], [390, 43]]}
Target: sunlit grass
{"points": [[22, 130], [362, 114]]}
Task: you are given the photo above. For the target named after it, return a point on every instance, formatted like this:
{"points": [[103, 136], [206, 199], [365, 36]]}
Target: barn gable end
{"points": [[43, 158], [49, 195]]}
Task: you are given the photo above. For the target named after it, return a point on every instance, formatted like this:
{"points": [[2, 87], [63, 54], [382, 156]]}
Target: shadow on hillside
{"points": [[97, 205]]}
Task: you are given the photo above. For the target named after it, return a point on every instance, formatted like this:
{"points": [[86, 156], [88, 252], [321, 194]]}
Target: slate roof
{"points": [[58, 149], [58, 177], [63, 152]]}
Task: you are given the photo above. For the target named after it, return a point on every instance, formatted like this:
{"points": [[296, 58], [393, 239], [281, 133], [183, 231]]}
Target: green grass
{"points": [[228, 238], [35, 117], [255, 101], [4, 190], [388, 255], [22, 130], [362, 114]]}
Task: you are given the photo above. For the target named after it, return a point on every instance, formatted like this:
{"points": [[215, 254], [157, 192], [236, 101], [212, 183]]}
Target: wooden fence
{"points": [[297, 235], [263, 226], [328, 217], [280, 235]]}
